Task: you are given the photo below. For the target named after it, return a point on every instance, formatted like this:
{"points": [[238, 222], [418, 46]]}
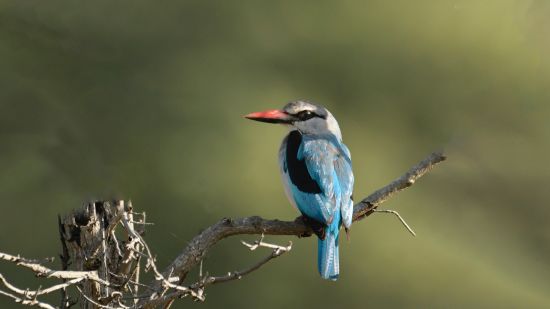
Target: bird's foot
{"points": [[302, 219], [317, 227]]}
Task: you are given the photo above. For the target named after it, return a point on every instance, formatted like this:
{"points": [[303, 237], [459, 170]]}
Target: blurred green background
{"points": [[144, 100]]}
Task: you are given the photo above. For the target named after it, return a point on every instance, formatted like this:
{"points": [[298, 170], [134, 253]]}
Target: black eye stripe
{"points": [[305, 115]]}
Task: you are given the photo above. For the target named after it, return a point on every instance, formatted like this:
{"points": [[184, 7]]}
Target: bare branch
{"points": [[277, 251], [200, 244], [34, 294], [27, 302], [43, 271], [365, 207], [93, 301], [199, 286], [106, 270]]}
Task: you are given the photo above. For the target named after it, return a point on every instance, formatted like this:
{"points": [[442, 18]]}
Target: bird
{"points": [[317, 174]]}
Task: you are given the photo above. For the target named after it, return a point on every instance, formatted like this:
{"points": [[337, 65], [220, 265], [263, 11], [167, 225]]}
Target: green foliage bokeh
{"points": [[144, 100]]}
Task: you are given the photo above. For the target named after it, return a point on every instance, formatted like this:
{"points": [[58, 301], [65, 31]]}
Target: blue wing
{"points": [[342, 166], [318, 156], [329, 164]]}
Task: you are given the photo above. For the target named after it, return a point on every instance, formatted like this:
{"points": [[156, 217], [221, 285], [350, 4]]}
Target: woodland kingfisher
{"points": [[316, 169]]}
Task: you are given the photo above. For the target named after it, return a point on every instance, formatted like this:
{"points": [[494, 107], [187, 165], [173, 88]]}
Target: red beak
{"points": [[270, 116]]}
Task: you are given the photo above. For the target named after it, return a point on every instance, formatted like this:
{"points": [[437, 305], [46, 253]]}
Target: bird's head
{"points": [[304, 116]]}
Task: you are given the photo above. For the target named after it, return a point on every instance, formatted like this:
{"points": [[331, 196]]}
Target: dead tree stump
{"points": [[90, 243]]}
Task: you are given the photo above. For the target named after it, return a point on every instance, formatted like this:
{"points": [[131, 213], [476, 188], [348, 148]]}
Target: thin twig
{"points": [[399, 217], [33, 294], [27, 302], [93, 301], [43, 271], [236, 275], [165, 281]]}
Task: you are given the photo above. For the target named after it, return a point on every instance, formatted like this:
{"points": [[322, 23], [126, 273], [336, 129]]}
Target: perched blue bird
{"points": [[317, 176]]}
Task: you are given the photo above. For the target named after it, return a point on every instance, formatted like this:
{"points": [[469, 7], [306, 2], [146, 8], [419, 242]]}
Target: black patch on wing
{"points": [[297, 169]]}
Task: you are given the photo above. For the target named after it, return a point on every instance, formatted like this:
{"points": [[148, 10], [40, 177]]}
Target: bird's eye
{"points": [[305, 115]]}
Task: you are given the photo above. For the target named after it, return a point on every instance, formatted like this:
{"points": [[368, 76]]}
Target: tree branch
{"points": [[43, 271], [371, 202], [205, 281], [27, 302], [277, 251], [105, 270], [200, 244]]}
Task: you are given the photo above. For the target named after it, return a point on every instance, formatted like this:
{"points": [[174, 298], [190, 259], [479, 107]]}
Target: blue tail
{"points": [[328, 260]]}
